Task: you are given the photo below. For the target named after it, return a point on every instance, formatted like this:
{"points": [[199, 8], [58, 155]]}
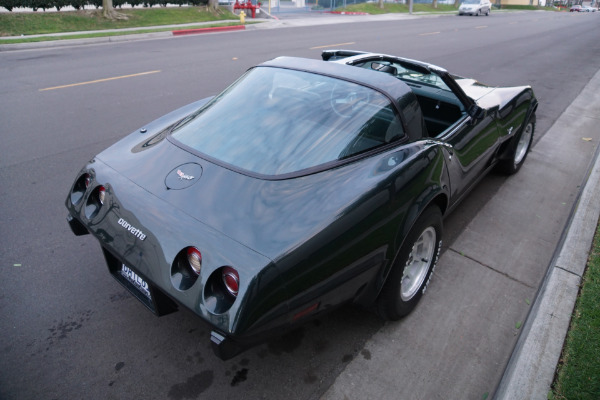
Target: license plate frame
{"points": [[159, 303], [136, 285], [136, 280]]}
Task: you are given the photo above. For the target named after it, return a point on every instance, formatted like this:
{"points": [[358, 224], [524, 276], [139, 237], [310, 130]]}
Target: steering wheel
{"points": [[346, 102]]}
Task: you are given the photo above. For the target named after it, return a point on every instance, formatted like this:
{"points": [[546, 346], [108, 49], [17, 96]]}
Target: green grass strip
{"points": [[35, 23], [578, 376], [107, 34]]}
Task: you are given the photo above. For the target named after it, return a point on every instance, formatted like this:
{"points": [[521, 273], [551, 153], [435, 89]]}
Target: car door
{"points": [[469, 149], [470, 144]]}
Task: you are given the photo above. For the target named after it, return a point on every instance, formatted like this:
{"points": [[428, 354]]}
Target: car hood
{"points": [[488, 96], [272, 217]]}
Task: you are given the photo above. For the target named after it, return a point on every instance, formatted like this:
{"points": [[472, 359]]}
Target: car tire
{"points": [[487, 13], [519, 148], [412, 269]]}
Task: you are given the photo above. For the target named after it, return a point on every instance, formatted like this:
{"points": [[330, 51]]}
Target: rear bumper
{"points": [[224, 347], [76, 227]]}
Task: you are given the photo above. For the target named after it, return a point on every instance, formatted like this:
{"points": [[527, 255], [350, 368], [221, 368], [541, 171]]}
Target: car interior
{"points": [[440, 107]]}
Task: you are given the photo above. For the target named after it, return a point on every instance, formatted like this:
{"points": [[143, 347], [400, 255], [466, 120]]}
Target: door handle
{"points": [[449, 148]]}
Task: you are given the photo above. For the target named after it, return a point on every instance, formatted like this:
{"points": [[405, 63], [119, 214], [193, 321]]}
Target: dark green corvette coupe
{"points": [[306, 184]]}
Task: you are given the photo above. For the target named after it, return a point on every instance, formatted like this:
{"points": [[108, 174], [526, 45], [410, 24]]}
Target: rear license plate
{"points": [[136, 281]]}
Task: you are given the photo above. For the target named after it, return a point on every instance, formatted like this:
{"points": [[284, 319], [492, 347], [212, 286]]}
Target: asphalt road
{"points": [[71, 332]]}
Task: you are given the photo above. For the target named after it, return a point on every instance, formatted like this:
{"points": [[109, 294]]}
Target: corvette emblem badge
{"points": [[184, 176]]}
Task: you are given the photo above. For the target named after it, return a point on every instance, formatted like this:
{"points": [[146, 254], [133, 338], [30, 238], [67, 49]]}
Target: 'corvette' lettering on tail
{"points": [[133, 230]]}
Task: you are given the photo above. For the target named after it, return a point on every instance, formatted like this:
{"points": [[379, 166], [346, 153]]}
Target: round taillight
{"points": [[195, 259], [101, 194], [80, 187], [231, 279]]}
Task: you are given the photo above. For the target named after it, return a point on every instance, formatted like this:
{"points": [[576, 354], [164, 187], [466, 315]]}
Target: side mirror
{"points": [[476, 112]]}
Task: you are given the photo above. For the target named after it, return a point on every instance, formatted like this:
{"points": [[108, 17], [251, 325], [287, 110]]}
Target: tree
{"points": [[435, 3], [60, 4], [9, 4], [213, 5], [109, 12]]}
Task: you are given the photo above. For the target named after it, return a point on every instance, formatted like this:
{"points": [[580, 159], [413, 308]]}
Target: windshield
{"points": [[470, 2], [275, 121]]}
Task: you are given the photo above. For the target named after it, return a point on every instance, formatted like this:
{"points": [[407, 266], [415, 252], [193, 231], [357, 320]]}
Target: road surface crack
{"points": [[512, 278]]}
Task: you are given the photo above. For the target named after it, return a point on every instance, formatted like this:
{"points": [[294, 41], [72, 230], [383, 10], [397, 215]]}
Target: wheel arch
{"points": [[384, 304], [507, 146], [436, 198]]}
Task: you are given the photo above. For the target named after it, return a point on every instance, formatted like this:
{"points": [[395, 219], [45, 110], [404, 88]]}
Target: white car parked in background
{"points": [[475, 7]]}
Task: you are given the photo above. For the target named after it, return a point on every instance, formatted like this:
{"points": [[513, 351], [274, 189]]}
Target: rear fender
{"points": [[436, 193]]}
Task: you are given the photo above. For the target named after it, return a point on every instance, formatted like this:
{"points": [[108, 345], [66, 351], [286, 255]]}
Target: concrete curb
{"points": [[530, 371], [347, 13], [167, 33], [209, 30], [79, 42]]}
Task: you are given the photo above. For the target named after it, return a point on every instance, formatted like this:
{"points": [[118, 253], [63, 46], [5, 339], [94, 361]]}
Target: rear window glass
{"points": [[275, 121]]}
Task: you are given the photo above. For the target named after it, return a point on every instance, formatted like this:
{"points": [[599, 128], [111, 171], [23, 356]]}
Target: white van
{"points": [[475, 7]]}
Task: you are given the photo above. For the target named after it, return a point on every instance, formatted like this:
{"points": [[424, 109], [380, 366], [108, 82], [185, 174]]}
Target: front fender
{"points": [[528, 100]]}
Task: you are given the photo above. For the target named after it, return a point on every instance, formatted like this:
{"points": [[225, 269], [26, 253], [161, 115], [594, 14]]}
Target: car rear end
{"points": [[167, 258]]}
